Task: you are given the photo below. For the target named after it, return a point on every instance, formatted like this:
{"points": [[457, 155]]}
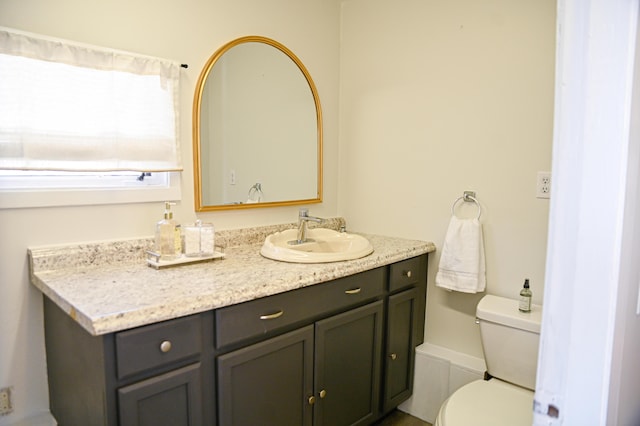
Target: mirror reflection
{"points": [[257, 129]]}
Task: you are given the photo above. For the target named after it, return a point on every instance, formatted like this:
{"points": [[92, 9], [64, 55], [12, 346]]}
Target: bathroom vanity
{"points": [[245, 340]]}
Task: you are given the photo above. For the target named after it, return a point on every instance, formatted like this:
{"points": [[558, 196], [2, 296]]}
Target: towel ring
{"points": [[255, 192], [467, 197]]}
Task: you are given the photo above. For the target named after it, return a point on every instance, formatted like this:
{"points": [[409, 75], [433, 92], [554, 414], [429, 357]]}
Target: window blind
{"points": [[73, 107]]}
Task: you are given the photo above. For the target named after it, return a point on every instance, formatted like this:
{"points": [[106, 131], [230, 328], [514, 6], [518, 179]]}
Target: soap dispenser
{"points": [[168, 242]]}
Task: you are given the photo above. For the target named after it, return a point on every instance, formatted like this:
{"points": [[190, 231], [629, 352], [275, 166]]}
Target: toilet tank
{"points": [[510, 339]]}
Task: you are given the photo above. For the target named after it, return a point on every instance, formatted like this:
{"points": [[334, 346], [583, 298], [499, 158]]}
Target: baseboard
{"points": [[42, 419]]}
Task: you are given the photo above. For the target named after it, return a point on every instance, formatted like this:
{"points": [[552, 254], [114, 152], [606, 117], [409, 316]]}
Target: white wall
{"points": [[188, 31], [442, 97]]}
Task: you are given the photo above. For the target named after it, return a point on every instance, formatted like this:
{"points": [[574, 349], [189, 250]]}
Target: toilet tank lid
{"points": [[505, 311]]}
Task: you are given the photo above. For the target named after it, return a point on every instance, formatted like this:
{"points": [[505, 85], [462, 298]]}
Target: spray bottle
{"points": [[525, 297]]}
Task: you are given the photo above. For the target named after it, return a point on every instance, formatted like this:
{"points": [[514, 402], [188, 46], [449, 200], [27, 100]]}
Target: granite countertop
{"points": [[108, 287]]}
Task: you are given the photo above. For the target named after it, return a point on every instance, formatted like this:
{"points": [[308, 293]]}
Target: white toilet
{"points": [[510, 345]]}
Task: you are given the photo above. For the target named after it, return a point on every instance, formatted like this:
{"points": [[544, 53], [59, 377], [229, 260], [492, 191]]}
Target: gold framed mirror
{"points": [[257, 129]]}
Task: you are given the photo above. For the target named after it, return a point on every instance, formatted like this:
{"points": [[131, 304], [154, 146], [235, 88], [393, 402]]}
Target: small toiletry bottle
{"points": [[525, 297], [168, 243]]}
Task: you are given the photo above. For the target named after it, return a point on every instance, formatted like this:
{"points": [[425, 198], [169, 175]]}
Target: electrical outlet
{"points": [[5, 401], [543, 185]]}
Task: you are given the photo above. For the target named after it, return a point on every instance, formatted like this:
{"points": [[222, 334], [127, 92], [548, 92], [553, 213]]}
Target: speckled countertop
{"points": [[108, 286]]}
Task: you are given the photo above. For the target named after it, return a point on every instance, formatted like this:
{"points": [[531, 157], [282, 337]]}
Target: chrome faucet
{"points": [[303, 218]]}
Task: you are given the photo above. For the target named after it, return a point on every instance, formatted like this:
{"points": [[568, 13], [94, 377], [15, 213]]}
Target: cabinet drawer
{"points": [[261, 316], [408, 272], [153, 345]]}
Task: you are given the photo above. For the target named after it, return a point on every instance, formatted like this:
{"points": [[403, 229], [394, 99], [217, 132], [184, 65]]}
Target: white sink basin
{"points": [[323, 245]]}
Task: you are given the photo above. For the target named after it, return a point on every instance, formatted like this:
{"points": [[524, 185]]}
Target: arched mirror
{"points": [[257, 129]]}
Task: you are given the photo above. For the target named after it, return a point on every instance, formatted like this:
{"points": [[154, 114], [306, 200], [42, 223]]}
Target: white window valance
{"points": [[73, 107]]}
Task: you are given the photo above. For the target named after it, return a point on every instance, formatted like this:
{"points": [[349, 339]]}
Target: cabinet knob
{"points": [[393, 357], [323, 393], [165, 346], [407, 274], [311, 400]]}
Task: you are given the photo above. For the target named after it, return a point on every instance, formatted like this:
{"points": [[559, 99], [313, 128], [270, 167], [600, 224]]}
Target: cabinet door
{"points": [[268, 383], [402, 319], [348, 348], [172, 398]]}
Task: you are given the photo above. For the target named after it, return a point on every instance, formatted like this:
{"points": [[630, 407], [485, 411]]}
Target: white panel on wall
{"points": [[430, 387], [439, 372]]}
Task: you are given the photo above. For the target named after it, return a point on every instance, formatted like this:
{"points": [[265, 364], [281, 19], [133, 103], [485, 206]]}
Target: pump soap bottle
{"points": [[525, 297], [168, 242]]}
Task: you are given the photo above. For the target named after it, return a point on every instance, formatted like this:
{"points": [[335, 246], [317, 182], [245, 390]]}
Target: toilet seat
{"points": [[487, 403]]}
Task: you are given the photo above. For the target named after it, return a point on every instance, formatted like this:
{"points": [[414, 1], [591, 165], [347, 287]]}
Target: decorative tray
{"points": [[153, 259]]}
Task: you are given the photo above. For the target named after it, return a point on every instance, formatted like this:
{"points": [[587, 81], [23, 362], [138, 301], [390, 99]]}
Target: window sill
{"points": [[32, 198]]}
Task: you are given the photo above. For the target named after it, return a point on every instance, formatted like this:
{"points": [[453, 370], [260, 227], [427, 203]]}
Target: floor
{"points": [[398, 418]]}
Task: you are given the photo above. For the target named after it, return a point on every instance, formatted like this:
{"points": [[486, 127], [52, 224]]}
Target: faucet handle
{"points": [[304, 212]]}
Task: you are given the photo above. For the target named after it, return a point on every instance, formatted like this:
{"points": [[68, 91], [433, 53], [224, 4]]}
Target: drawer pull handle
{"points": [[272, 316], [407, 274], [323, 393], [353, 291], [393, 357], [165, 346]]}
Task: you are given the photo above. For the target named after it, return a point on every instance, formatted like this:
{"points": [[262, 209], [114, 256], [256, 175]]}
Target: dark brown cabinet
{"points": [[327, 373], [399, 360], [268, 383], [277, 382], [173, 398], [347, 367], [152, 375], [332, 354]]}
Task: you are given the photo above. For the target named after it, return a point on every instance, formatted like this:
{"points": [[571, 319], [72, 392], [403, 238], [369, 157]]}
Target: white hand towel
{"points": [[462, 266]]}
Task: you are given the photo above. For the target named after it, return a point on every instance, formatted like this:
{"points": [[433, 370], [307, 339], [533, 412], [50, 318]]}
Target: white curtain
{"points": [[73, 107]]}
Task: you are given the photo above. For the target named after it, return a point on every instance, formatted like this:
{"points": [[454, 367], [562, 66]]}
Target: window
{"points": [[96, 117]]}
